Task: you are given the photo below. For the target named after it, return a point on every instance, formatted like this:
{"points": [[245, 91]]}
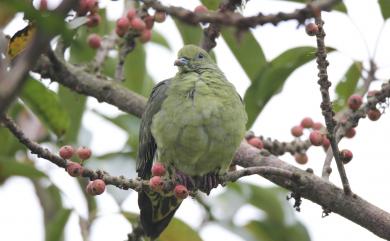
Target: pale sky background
{"points": [[356, 37]]}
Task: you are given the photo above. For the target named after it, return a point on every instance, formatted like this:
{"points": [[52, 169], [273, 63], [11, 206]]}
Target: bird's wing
{"points": [[147, 145]]}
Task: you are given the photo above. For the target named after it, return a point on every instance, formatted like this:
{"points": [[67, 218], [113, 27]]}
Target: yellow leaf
{"points": [[20, 40]]}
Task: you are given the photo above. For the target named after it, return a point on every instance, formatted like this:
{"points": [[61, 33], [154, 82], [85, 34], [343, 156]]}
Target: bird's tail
{"points": [[156, 211]]}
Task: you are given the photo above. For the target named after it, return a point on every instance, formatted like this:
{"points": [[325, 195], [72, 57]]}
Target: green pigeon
{"points": [[193, 124]]}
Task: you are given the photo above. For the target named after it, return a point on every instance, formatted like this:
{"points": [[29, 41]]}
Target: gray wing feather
{"points": [[147, 145]]}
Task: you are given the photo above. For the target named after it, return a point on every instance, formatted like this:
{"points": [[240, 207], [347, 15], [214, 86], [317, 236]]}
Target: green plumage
{"points": [[195, 128]]}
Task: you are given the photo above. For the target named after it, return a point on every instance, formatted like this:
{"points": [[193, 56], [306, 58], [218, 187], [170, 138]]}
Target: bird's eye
{"points": [[200, 56]]}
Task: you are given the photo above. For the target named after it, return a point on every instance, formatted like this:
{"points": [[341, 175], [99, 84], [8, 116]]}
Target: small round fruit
{"points": [[145, 36], [74, 169], [201, 9], [88, 188], [120, 32], [311, 29], [301, 158], [307, 122], [317, 126], [84, 153], [93, 20], [350, 133], [256, 142], [149, 22], [346, 156], [43, 5], [325, 143], [160, 16], [181, 192], [137, 24], [91, 4], [66, 152], [82, 8], [354, 102], [98, 186], [297, 131], [374, 114], [123, 23], [316, 138], [156, 183], [158, 169], [131, 13]]}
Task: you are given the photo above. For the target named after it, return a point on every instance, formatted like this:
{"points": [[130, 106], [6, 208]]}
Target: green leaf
{"points": [[297, 232], [160, 39], [347, 86], [211, 4], [55, 229], [266, 230], [271, 79], [247, 51], [74, 104], [46, 105], [10, 167], [191, 34], [385, 8], [133, 218], [178, 230], [338, 7]]}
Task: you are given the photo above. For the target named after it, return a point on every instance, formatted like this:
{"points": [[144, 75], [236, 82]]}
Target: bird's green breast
{"points": [[200, 124]]}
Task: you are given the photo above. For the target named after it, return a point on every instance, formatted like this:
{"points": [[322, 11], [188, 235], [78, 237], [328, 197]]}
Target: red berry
{"points": [[317, 126], [74, 169], [373, 114], [160, 16], [158, 169], [88, 189], [131, 13], [93, 20], [346, 156], [156, 183], [149, 22], [297, 131], [84, 153], [307, 122], [316, 138], [145, 36], [181, 192], [301, 158], [97, 187], [120, 32], [137, 24], [325, 143], [82, 8], [43, 5], [350, 133], [91, 4], [256, 142], [201, 9], [311, 29], [66, 152], [123, 23], [354, 102], [94, 41]]}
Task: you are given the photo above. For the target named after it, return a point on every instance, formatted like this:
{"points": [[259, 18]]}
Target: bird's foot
{"points": [[185, 180], [208, 182]]}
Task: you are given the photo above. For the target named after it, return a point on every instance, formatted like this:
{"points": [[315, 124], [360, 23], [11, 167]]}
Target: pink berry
{"points": [[158, 169], [297, 131], [98, 186], [91, 4], [123, 23], [354, 102], [181, 192], [317, 126], [94, 41], [120, 32], [82, 8], [131, 13], [160, 16], [307, 122], [350, 133], [200, 9], [325, 143], [346, 156], [149, 22], [316, 138], [84, 153], [311, 29], [137, 24], [66, 152], [43, 5], [301, 158], [156, 183], [256, 142], [145, 36], [93, 20], [74, 169], [88, 189], [374, 114]]}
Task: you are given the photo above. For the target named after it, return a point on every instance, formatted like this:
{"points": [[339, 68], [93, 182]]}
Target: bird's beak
{"points": [[181, 61]]}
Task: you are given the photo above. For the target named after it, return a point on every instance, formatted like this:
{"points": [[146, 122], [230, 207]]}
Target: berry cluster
{"points": [[157, 182], [76, 169]]}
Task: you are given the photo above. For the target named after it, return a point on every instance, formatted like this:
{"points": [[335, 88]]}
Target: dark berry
{"points": [[301, 158], [354, 102], [346, 156], [74, 169], [98, 186], [373, 114], [311, 29]]}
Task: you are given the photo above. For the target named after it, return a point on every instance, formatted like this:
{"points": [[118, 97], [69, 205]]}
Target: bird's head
{"points": [[193, 58]]}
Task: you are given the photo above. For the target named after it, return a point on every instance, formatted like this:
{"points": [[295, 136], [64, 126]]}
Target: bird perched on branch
{"points": [[193, 123]]}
